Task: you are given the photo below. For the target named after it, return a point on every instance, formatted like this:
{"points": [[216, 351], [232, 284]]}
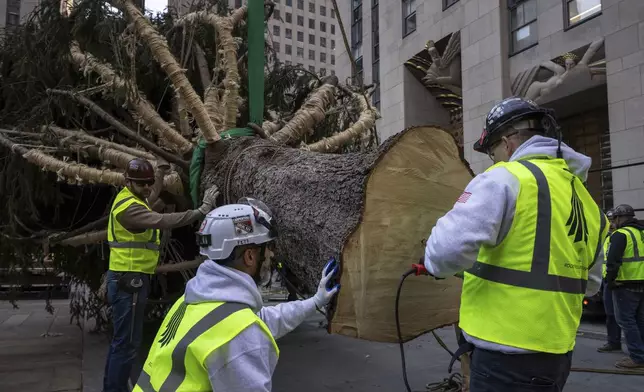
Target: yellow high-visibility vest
{"points": [[606, 248], [632, 267], [527, 291], [131, 252], [188, 335]]}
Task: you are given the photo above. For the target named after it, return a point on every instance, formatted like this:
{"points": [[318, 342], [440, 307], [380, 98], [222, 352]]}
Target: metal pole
{"points": [[615, 167]]}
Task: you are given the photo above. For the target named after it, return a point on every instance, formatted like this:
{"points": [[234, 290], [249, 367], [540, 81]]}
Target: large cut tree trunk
{"points": [[372, 211]]}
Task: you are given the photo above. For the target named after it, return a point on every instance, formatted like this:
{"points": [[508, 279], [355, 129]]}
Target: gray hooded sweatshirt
{"points": [[247, 362], [485, 219]]}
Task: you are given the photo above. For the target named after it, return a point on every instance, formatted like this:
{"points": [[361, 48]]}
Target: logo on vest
{"points": [[173, 325], [577, 223]]}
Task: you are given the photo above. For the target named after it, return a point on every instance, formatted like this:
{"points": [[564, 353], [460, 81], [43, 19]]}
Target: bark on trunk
{"points": [[372, 211]]}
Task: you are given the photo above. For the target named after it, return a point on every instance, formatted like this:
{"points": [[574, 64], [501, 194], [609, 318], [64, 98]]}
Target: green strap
{"points": [[256, 42], [196, 164]]}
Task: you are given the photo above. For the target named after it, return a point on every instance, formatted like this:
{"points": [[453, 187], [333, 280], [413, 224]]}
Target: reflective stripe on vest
{"points": [[527, 291], [632, 267], [199, 330], [606, 247], [137, 252]]}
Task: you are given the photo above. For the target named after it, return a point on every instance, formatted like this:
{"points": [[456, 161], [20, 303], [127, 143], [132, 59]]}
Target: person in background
{"points": [[613, 331]]}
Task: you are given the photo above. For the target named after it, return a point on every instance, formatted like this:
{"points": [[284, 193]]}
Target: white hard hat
{"points": [[233, 225]]}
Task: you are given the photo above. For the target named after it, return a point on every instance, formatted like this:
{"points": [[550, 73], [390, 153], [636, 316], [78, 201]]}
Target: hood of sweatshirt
{"points": [[217, 283], [541, 145], [637, 224]]}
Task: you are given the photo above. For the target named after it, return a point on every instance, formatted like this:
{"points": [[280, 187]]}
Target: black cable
{"points": [[400, 340]]}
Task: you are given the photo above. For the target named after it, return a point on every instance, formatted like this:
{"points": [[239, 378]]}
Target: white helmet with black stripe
{"points": [[226, 227]]}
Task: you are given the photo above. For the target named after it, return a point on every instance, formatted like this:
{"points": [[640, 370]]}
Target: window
{"points": [[311, 54], [323, 27], [332, 59], [578, 11], [375, 69], [276, 14], [323, 57], [375, 64], [332, 29], [289, 49], [300, 36], [448, 3], [323, 42], [300, 52], [409, 17], [359, 71], [13, 13], [276, 46], [311, 23], [322, 10], [333, 72], [289, 17], [356, 23], [289, 3], [312, 7], [311, 68], [276, 31], [300, 20], [332, 13], [289, 33], [322, 71], [300, 4], [332, 44], [311, 39], [238, 3], [523, 26]]}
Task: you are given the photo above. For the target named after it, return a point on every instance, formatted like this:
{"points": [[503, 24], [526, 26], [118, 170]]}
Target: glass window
{"points": [[312, 7], [300, 4], [238, 3], [448, 3], [409, 17], [332, 44], [322, 10], [332, 29], [578, 11], [289, 17], [333, 72], [322, 71], [311, 23], [360, 70], [323, 57], [311, 39], [300, 36], [332, 59], [289, 49], [332, 13], [311, 54], [311, 68], [323, 27], [276, 46], [289, 33], [276, 14], [523, 26], [289, 2], [356, 23], [276, 31], [300, 52], [300, 20], [323, 42]]}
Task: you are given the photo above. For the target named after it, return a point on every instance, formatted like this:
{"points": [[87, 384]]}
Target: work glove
{"points": [[209, 199], [325, 293]]}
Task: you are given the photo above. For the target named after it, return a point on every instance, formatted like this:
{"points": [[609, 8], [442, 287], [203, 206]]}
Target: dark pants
{"points": [[492, 371], [122, 352], [629, 311], [613, 331]]}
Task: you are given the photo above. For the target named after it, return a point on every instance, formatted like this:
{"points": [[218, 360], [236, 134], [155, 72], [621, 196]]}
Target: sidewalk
{"points": [[39, 352]]}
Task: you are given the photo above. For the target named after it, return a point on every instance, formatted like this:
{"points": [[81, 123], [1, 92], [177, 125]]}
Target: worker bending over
{"points": [[625, 277], [218, 336], [133, 236], [529, 237]]}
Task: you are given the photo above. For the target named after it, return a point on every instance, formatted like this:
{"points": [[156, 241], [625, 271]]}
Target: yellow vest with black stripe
{"points": [[606, 247], [632, 267], [527, 291], [188, 335], [131, 252]]}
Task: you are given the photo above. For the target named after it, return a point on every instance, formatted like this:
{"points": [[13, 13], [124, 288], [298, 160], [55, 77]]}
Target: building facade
{"points": [[449, 61], [12, 12], [303, 32]]}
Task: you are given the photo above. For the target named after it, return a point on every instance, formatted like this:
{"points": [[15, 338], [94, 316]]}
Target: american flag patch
{"points": [[464, 197]]}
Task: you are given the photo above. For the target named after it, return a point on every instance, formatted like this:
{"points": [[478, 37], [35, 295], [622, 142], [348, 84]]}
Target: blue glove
{"points": [[325, 293]]}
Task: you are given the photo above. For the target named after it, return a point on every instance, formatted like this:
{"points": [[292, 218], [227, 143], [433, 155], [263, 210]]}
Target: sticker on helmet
{"points": [[203, 225], [243, 224]]}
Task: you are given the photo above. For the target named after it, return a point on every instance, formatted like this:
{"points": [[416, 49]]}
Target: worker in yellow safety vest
{"points": [[625, 277], [218, 336], [613, 331], [528, 236], [133, 237]]}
